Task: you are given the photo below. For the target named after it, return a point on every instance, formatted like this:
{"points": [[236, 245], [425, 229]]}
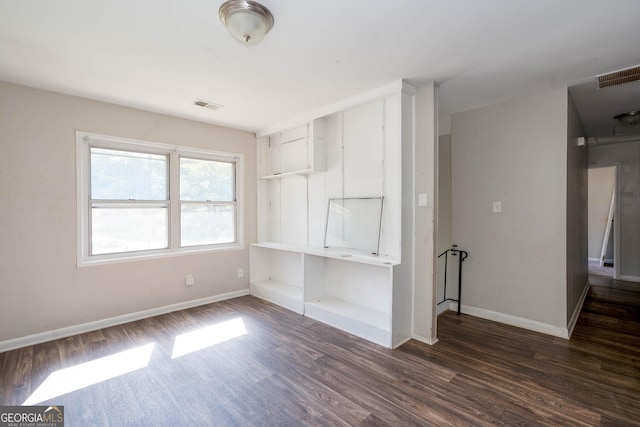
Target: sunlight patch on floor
{"points": [[208, 336], [86, 374]]}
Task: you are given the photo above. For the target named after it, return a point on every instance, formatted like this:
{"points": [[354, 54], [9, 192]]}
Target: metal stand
{"points": [[462, 255]]}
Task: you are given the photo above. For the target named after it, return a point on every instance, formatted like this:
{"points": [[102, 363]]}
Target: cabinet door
{"points": [[295, 133], [363, 150]]}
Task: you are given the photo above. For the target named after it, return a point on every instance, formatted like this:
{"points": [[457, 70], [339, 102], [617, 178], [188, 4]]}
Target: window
{"points": [[139, 199], [207, 202]]}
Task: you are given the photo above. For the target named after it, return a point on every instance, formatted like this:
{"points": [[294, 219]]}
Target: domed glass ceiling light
{"points": [[246, 20]]}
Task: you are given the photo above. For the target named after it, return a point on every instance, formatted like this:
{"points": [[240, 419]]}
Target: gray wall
{"points": [[515, 153], [41, 287], [627, 156], [577, 213]]}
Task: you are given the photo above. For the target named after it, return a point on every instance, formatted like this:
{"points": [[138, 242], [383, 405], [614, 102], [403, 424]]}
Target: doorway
{"points": [[603, 231]]}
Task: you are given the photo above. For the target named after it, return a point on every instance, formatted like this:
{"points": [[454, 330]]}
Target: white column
{"points": [[424, 244]]}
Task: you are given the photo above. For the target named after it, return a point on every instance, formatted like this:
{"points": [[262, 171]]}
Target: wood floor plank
{"points": [[46, 360], [72, 351], [16, 376]]}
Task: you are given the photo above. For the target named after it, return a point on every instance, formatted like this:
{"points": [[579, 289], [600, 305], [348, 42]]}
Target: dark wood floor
{"points": [[290, 370]]}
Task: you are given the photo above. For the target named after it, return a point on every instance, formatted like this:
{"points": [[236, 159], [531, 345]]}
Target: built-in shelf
{"points": [[350, 291], [302, 172], [276, 276], [355, 153], [288, 296], [343, 254], [361, 321]]}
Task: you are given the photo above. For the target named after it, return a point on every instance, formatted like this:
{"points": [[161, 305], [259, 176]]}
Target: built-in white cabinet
{"points": [[352, 153], [294, 151], [351, 292]]}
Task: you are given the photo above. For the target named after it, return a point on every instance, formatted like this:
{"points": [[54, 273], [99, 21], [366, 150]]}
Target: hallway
{"points": [[596, 270]]}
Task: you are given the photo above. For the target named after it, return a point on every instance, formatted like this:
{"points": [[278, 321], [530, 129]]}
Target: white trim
{"points": [[401, 343], [160, 253], [576, 312], [594, 260], [159, 147], [630, 278], [413, 223], [41, 337], [430, 341], [442, 308], [372, 95], [520, 322]]}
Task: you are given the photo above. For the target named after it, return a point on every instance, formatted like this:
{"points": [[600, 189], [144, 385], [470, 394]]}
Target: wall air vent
{"points": [[207, 104], [619, 77]]}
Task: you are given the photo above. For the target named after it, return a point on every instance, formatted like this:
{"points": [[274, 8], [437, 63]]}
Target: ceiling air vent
{"points": [[207, 104], [619, 77]]}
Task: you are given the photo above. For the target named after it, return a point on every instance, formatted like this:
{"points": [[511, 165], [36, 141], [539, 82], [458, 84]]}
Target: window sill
{"points": [[150, 255]]}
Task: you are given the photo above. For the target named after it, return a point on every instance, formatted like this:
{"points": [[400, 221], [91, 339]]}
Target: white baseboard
{"points": [[430, 341], [401, 343], [629, 278], [594, 259], [442, 308], [41, 337], [520, 322], [577, 310]]}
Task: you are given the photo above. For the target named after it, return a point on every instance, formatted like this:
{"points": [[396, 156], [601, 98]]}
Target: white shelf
{"points": [[287, 296], [352, 256], [280, 246], [286, 174], [361, 321], [345, 255]]}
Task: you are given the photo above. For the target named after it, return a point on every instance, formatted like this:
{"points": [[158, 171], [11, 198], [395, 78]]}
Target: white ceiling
{"points": [[161, 55]]}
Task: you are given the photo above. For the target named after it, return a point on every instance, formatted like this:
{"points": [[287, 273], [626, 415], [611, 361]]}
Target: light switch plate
{"points": [[422, 199], [497, 207]]}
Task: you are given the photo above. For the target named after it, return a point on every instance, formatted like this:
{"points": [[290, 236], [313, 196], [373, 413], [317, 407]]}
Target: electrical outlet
{"points": [[240, 272], [189, 280]]}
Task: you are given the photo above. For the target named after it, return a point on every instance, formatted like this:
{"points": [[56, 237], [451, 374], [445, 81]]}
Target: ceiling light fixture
{"points": [[247, 21], [631, 118]]}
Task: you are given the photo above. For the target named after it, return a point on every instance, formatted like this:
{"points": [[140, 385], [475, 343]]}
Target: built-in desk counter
{"points": [[349, 290]]}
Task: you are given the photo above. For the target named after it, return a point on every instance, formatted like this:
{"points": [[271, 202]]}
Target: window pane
{"points": [[128, 229], [202, 180], [124, 175], [207, 224]]}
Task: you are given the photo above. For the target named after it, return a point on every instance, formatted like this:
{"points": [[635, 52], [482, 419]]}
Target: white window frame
{"points": [[86, 140]]}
